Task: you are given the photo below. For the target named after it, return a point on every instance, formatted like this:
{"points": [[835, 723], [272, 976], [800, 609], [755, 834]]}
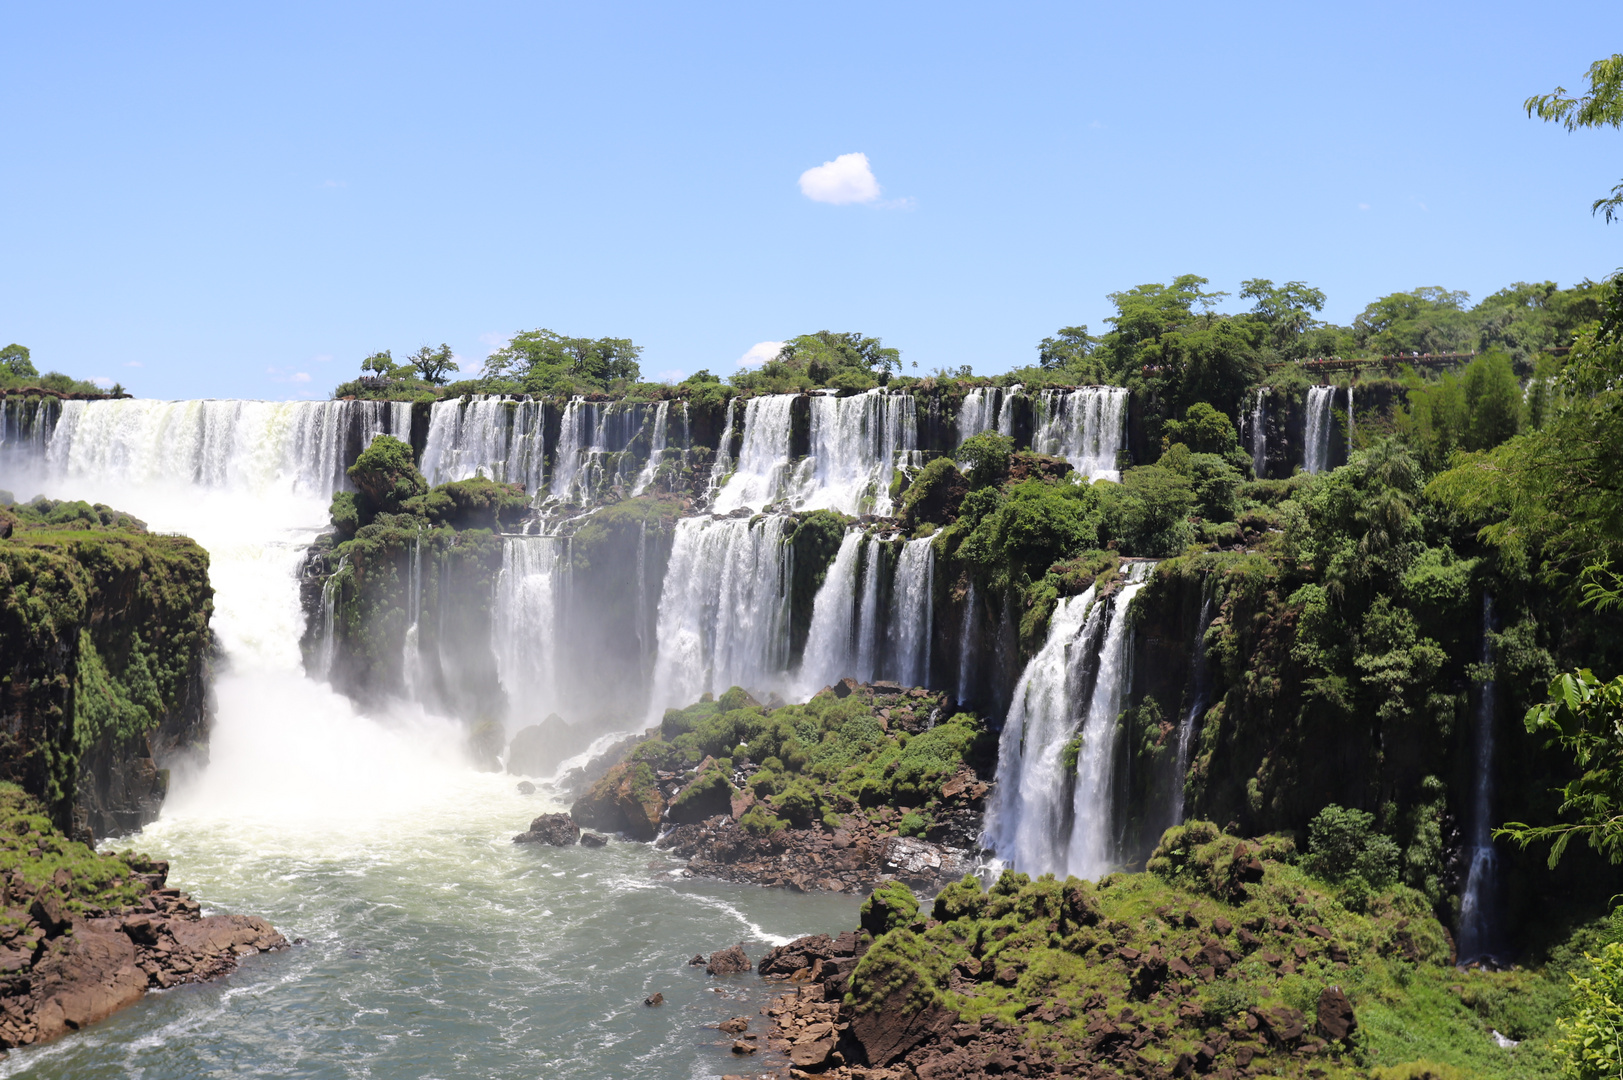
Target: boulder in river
{"points": [[555, 829], [538, 750], [626, 799], [592, 839], [729, 961]]}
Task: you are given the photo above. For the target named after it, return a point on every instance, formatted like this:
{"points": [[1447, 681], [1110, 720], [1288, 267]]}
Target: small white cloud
{"points": [[333, 184], [284, 375], [495, 339], [846, 179], [301, 376], [760, 353], [133, 363], [322, 358], [102, 381], [1096, 126], [673, 376], [906, 202], [1363, 206]]}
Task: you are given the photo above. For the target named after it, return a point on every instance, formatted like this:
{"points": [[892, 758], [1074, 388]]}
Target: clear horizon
{"points": [[244, 203]]}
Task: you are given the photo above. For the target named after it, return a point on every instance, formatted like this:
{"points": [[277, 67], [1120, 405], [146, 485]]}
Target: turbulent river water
{"points": [[433, 946]]}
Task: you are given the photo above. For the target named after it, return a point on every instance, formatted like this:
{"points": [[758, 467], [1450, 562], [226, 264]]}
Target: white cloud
{"points": [[334, 184], [673, 376], [283, 375], [102, 381], [301, 376], [322, 358], [495, 339], [760, 353], [1363, 206], [133, 363], [846, 179]]}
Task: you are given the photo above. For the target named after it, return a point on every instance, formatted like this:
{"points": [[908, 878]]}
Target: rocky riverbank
{"points": [[1226, 959], [83, 934]]}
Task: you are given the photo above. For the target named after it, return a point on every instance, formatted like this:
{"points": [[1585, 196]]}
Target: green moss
{"points": [[34, 850]]}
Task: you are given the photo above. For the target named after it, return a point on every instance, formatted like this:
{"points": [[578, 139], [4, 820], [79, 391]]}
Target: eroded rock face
{"points": [[554, 829], [56, 981], [1336, 1019], [625, 800], [897, 1026]]}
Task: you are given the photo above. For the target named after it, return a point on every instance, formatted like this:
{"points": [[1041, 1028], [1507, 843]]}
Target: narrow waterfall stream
{"points": [[1053, 807], [1259, 433], [1479, 897], [1316, 442], [1085, 427]]}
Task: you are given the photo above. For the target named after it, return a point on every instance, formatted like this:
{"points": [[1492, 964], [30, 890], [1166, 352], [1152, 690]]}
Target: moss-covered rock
{"points": [[104, 642]]}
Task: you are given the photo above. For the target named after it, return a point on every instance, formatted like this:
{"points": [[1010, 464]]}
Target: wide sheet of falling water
{"points": [[434, 946]]}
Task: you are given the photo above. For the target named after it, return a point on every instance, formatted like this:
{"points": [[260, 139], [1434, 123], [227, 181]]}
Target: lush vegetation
{"points": [[17, 372], [1224, 951], [104, 635]]}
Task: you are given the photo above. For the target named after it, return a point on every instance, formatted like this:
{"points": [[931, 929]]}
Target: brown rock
{"points": [[47, 910], [736, 1026], [625, 799], [811, 1055], [556, 830], [741, 1047], [697, 961], [655, 999], [1336, 1019], [896, 1025], [729, 961], [593, 840], [846, 687]]}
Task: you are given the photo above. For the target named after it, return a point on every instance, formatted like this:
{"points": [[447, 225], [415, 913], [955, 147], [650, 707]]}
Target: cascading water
{"points": [[763, 460], [723, 463], [966, 647], [529, 595], [830, 652], [1317, 440], [1027, 822], [1197, 709], [912, 613], [1259, 433], [986, 408], [1085, 427], [1045, 818], [349, 830], [1478, 898], [724, 614], [326, 644], [656, 451], [1005, 415], [410, 660], [1092, 849], [1349, 421], [856, 444], [500, 438]]}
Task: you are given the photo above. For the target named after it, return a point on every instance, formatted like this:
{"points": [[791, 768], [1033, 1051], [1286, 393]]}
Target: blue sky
{"points": [[245, 200]]}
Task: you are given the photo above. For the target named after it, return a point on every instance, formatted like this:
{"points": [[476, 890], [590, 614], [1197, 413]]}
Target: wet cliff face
{"points": [[105, 643]]}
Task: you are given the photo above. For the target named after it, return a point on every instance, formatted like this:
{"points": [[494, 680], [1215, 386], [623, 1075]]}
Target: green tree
{"points": [[1203, 429], [826, 354], [1592, 1029], [547, 362], [1071, 350], [1427, 320], [1287, 310], [14, 358], [431, 364], [1602, 106], [383, 366]]}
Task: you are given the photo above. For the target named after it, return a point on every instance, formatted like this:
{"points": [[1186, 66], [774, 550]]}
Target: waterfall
{"points": [[25, 427], [986, 408], [1026, 823], [1086, 427], [1044, 818], [830, 652], [1197, 709], [491, 436], [656, 449], [1259, 433], [529, 593], [978, 413], [856, 443], [384, 418], [410, 658], [1005, 416], [763, 459], [912, 613], [1349, 421], [868, 615], [1316, 449], [723, 463], [966, 647], [1093, 851], [577, 436], [326, 645], [724, 612], [1478, 899], [260, 446]]}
